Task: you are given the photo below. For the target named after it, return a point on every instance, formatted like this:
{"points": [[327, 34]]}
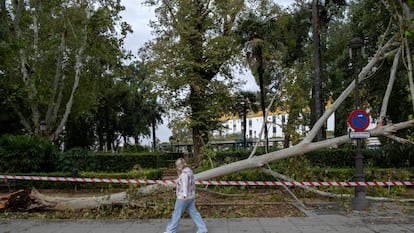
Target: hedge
{"points": [[152, 174], [397, 157], [85, 160], [26, 154], [32, 154]]}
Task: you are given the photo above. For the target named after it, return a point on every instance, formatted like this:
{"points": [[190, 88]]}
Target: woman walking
{"points": [[185, 199]]}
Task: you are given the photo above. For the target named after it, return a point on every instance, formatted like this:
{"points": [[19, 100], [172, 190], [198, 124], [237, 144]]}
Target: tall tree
{"points": [[322, 14], [155, 113], [253, 29], [275, 41], [193, 48], [317, 100], [257, 65], [60, 47]]}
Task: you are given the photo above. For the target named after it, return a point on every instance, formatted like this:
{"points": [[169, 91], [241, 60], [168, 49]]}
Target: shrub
{"points": [[86, 160], [342, 157], [23, 153], [151, 174], [79, 159], [396, 155], [134, 148]]}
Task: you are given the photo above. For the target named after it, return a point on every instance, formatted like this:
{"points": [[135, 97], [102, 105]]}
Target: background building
{"points": [[233, 126]]}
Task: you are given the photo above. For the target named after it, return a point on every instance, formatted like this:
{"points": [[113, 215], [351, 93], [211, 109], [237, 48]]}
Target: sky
{"points": [[138, 16]]}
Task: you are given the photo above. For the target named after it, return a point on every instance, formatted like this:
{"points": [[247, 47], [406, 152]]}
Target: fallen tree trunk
{"points": [[11, 200], [22, 200]]}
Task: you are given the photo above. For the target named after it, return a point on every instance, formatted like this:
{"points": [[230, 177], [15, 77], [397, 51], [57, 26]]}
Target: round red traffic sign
{"points": [[359, 120]]}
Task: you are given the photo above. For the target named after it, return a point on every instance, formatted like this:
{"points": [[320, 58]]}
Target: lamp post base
{"points": [[359, 203]]}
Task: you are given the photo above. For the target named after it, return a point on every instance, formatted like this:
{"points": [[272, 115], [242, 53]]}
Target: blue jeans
{"points": [[180, 207]]}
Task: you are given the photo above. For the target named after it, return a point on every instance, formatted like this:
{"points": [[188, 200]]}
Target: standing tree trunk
{"points": [[260, 72], [255, 60], [244, 125], [154, 138], [198, 121], [197, 144], [317, 100]]}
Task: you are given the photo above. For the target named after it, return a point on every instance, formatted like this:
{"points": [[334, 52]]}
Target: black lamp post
{"points": [[243, 105], [359, 202]]}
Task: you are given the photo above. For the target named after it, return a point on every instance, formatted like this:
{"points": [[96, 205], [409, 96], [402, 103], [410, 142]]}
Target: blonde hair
{"points": [[181, 163]]}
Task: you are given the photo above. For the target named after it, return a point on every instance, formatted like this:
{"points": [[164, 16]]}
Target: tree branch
{"points": [[328, 194], [389, 87], [52, 109], [78, 70], [400, 140], [409, 68], [361, 76], [25, 71], [263, 125]]}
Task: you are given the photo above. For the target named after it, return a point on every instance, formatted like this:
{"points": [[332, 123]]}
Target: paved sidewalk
{"points": [[320, 218], [327, 223]]}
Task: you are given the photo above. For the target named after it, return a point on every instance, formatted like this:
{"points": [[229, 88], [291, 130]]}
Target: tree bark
{"points": [[317, 100], [260, 72], [410, 69], [390, 85], [244, 125], [53, 106], [197, 144], [154, 138]]}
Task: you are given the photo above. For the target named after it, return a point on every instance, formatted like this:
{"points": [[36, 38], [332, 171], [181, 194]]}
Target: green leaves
{"points": [[72, 54]]}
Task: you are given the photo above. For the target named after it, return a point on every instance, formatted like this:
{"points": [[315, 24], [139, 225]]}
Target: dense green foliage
{"points": [[36, 156], [26, 154], [23, 154], [192, 56], [392, 155], [63, 75]]}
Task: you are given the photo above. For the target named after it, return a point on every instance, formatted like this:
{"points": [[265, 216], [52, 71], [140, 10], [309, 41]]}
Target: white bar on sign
{"points": [[362, 134]]}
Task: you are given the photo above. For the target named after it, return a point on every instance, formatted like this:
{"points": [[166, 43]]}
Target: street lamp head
{"points": [[356, 43]]}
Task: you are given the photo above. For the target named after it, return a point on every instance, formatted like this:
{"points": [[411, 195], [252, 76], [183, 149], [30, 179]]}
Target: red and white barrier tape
{"points": [[211, 182]]}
